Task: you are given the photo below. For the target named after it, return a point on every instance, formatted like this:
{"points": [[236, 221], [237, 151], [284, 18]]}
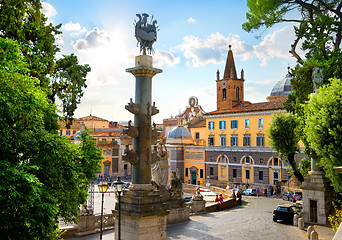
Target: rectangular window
{"points": [[73, 132], [275, 175], [61, 132], [260, 123], [246, 123], [275, 162], [211, 140], [211, 125], [222, 125], [197, 135], [187, 172], [234, 173], [223, 140], [201, 173], [247, 140], [260, 140], [67, 132], [211, 171], [261, 175], [247, 173], [233, 124], [233, 140]]}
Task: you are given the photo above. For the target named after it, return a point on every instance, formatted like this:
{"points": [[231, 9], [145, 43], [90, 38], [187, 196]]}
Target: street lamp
{"points": [[103, 186], [119, 186]]}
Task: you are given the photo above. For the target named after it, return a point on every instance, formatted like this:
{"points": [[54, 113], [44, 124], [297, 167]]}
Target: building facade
{"points": [[230, 144]]}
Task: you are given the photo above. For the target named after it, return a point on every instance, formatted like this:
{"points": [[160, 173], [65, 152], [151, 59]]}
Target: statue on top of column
{"points": [[145, 33]]}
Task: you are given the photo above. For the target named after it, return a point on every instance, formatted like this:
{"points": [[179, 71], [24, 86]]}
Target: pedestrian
{"points": [[217, 198], [258, 190], [274, 194], [239, 196], [221, 202]]}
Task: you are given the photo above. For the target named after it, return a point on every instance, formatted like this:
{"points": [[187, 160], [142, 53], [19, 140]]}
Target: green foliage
{"points": [[335, 219], [305, 166], [22, 20], [43, 176], [323, 117], [284, 138]]}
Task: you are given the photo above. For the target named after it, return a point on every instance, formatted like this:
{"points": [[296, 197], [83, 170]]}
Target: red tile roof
{"points": [[90, 117], [254, 107]]}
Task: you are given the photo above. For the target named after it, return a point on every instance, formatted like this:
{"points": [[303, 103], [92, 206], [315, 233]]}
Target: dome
{"points": [[180, 132], [283, 87]]}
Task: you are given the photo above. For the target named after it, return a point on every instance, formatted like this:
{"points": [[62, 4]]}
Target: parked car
{"points": [[251, 192], [287, 195], [284, 213], [126, 185], [297, 196]]}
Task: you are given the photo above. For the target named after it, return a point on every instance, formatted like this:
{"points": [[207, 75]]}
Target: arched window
{"points": [[224, 94], [237, 94]]}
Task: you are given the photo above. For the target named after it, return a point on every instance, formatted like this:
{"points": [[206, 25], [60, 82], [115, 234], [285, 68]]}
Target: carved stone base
{"points": [[198, 206], [143, 214], [317, 198], [140, 227], [179, 212]]}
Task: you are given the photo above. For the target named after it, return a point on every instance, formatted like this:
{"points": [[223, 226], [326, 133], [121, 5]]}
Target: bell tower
{"points": [[230, 88]]}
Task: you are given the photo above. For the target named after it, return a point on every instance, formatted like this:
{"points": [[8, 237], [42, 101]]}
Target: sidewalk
{"points": [[324, 232]]}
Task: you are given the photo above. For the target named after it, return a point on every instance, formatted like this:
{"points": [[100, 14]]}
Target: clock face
{"points": [[223, 84]]}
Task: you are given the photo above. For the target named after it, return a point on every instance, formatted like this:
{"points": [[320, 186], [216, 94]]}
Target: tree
{"points": [[43, 176], [284, 139], [323, 117], [22, 20]]}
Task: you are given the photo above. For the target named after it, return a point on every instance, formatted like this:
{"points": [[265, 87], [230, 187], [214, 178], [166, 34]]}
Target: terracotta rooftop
{"points": [[254, 107], [90, 117], [74, 125], [199, 124], [105, 134]]}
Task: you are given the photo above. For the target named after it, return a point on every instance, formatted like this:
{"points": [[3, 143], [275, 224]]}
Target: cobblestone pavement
{"points": [[252, 220]]}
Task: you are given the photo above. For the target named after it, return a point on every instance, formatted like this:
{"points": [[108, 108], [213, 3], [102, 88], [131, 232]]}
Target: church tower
{"points": [[230, 88]]}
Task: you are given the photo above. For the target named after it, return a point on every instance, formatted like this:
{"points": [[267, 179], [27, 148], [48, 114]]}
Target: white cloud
{"points": [[74, 27], [191, 20], [213, 48], [164, 58], [48, 10], [94, 38]]}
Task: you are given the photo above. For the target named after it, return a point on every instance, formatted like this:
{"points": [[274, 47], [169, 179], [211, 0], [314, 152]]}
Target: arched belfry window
{"points": [[237, 94], [224, 94]]}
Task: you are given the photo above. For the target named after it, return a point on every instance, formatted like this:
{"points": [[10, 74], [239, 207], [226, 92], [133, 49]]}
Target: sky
{"points": [[192, 44]]}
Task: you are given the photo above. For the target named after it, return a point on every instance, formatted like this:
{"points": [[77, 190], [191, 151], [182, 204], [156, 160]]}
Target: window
{"points": [[247, 160], [197, 135], [261, 175], [68, 132], [187, 172], [103, 139], [222, 125], [224, 94], [275, 162], [125, 167], [211, 125], [234, 173], [223, 140], [247, 171], [261, 161], [107, 152], [73, 132], [247, 140], [233, 140], [260, 140], [233, 124], [211, 140], [201, 173], [211, 171], [246, 123], [260, 123], [61, 132], [234, 159], [275, 175], [237, 94]]}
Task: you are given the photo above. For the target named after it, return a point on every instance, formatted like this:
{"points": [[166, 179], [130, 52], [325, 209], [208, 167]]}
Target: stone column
{"points": [[143, 214]]}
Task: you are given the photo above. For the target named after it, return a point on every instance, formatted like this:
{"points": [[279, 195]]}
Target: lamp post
{"points": [[103, 186], [119, 186]]}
